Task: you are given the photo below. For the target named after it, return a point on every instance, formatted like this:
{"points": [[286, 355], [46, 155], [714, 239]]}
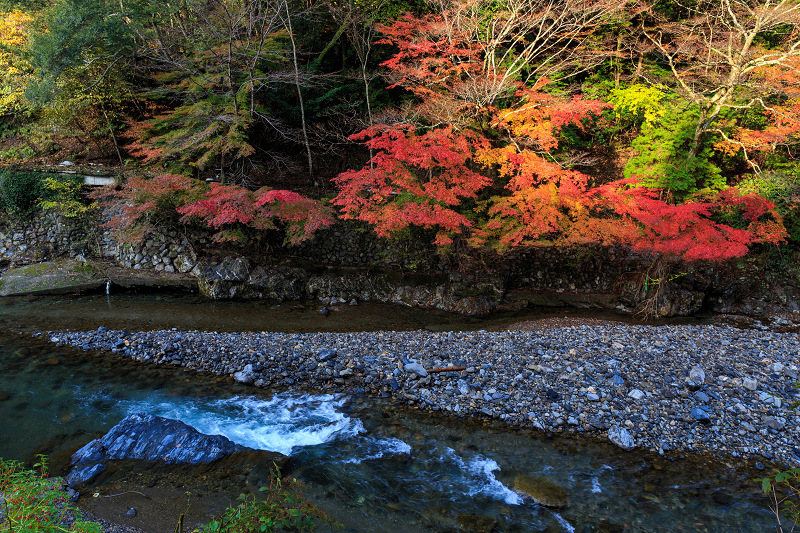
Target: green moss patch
{"points": [[53, 277]]}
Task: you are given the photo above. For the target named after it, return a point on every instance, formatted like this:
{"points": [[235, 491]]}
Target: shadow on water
{"points": [[371, 464], [191, 312]]}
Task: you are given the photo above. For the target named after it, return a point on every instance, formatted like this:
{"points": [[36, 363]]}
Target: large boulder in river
{"points": [[543, 490], [149, 438]]}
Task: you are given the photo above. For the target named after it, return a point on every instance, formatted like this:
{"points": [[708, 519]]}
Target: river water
{"points": [[372, 465]]}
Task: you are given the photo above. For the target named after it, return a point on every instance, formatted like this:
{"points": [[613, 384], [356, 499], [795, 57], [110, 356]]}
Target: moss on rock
{"points": [[542, 489]]}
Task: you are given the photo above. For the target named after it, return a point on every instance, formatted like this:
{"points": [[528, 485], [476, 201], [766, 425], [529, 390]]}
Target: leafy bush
{"points": [[783, 189], [281, 507], [663, 158], [31, 502], [20, 191], [143, 204], [66, 198]]}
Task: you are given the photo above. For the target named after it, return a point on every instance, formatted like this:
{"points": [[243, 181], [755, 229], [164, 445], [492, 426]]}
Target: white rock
{"points": [[621, 437], [245, 375], [636, 394], [416, 368], [697, 375], [750, 384]]}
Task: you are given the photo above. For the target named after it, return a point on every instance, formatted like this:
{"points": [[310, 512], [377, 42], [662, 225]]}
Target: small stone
{"points": [[692, 385], [759, 465], [463, 387], [592, 397], [617, 380], [636, 394], [750, 384], [552, 395], [701, 397], [621, 437], [346, 372], [325, 355], [130, 513], [772, 423], [416, 368], [701, 415], [324, 311], [245, 375], [697, 375]]}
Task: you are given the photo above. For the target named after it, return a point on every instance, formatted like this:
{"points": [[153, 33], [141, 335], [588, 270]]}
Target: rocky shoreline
{"points": [[670, 389]]}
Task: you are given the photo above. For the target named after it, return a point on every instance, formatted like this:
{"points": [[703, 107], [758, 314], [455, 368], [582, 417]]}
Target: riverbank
{"points": [[669, 389]]}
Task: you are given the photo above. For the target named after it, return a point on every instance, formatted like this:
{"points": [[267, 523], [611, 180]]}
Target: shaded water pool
{"points": [[372, 465]]}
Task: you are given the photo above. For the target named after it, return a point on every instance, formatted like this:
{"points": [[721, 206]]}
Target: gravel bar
{"points": [[670, 389]]}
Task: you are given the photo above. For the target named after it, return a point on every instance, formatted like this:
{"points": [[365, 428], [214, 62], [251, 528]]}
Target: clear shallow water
{"points": [[184, 311], [372, 465]]}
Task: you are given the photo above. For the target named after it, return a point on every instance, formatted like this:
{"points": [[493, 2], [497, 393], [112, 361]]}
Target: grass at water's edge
{"points": [[31, 501]]}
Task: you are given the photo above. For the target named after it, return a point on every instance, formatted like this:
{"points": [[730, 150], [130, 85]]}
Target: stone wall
{"points": [[347, 263]]}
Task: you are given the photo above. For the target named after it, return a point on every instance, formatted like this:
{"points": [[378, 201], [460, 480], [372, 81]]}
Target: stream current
{"points": [[370, 464]]}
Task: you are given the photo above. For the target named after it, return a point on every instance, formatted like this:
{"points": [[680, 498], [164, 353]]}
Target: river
{"points": [[369, 463]]}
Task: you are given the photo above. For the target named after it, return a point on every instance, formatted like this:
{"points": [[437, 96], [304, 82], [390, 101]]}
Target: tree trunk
{"points": [[300, 95]]}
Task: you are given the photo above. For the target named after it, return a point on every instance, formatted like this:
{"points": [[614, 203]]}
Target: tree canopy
{"points": [[666, 127]]}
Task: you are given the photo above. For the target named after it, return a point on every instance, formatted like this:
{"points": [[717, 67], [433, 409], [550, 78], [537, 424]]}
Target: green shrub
{"points": [[32, 502], [280, 507], [21, 192], [782, 188]]}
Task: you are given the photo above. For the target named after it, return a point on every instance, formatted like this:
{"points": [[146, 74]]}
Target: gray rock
{"points": [[83, 474], [750, 384], [701, 397], [636, 394], [592, 397], [130, 513], [772, 423], [245, 375], [326, 355], [416, 368], [700, 414], [621, 437], [463, 388], [697, 375], [346, 372], [150, 438]]}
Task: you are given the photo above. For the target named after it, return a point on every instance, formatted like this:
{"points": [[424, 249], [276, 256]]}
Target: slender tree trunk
{"points": [[113, 137], [300, 94], [369, 109]]}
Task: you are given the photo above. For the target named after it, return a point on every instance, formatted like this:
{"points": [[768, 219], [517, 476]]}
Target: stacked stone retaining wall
{"points": [[347, 263]]}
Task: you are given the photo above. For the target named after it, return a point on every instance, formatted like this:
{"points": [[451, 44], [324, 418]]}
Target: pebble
{"points": [[749, 384], [669, 389], [636, 394]]}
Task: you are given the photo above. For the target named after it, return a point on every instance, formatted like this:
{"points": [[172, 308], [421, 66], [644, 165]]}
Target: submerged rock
{"points": [[149, 438], [543, 490], [475, 523]]}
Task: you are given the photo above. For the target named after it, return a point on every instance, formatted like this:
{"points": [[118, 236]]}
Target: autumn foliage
{"points": [[498, 174], [144, 204]]}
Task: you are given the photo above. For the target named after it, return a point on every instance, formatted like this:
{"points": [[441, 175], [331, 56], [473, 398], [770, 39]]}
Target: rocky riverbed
{"points": [[670, 389]]}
